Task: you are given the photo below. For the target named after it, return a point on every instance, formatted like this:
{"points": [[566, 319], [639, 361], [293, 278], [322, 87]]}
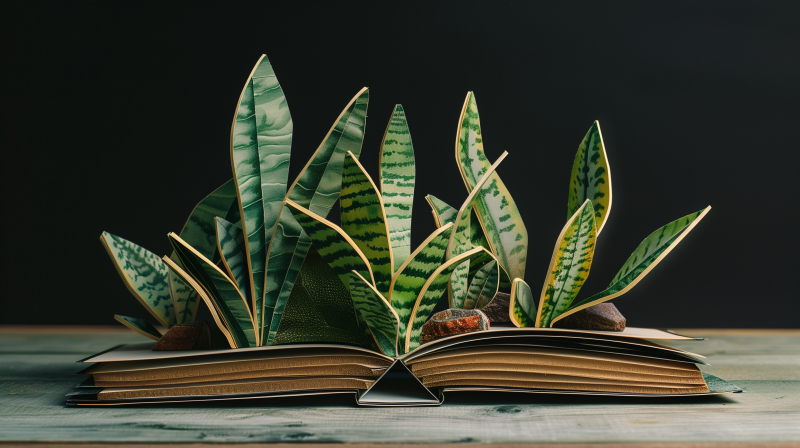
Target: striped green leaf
{"points": [[140, 326], [569, 266], [364, 221], [184, 298], [376, 312], [223, 292], [316, 188], [646, 256], [412, 275], [522, 307], [483, 286], [230, 243], [320, 309], [333, 244], [397, 178], [145, 275], [497, 212], [591, 178], [429, 297], [442, 213]]}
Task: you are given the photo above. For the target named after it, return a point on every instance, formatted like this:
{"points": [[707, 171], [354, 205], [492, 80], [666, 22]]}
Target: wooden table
{"points": [[37, 366]]}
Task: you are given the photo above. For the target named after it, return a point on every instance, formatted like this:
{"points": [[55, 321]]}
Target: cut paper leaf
{"points": [[184, 298], [646, 256], [429, 297], [442, 213], [144, 274], [376, 312], [397, 178], [199, 231], [522, 306], [316, 188], [569, 266], [483, 286], [234, 309], [591, 177], [333, 244], [477, 237], [230, 243], [496, 210], [415, 272], [140, 326]]}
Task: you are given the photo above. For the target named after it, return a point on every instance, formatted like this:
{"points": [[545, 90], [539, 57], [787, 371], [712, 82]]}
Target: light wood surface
{"points": [[37, 367]]}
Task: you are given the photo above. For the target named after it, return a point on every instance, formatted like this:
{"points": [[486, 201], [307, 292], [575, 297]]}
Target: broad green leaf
{"points": [[591, 178], [140, 326], [184, 298], [376, 312], [199, 230], [230, 243], [522, 307], [320, 309], [483, 286], [145, 275], [569, 266], [364, 220], [333, 244], [429, 296], [496, 210], [316, 188], [397, 178], [442, 213], [646, 256], [412, 275], [222, 290]]}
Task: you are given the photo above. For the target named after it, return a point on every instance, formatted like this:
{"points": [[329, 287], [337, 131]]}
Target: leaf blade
{"points": [[442, 213], [382, 320], [591, 177], [522, 308]]}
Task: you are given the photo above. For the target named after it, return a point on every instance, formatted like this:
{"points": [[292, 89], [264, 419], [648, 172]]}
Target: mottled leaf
{"points": [[442, 213], [522, 307], [569, 266], [483, 286], [646, 256], [376, 312], [140, 326], [230, 243], [184, 298], [591, 178]]}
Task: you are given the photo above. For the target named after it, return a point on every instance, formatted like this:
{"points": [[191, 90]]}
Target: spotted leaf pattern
{"points": [[591, 177], [376, 312], [522, 306]]}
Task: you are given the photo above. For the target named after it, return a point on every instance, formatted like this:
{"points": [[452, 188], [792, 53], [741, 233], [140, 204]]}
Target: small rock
{"points": [[603, 316], [497, 309], [453, 321], [194, 336]]}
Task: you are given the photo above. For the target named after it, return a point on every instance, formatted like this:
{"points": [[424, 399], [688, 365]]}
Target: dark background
{"points": [[119, 120]]}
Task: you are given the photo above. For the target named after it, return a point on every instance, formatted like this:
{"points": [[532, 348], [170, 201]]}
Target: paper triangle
{"points": [[398, 387]]}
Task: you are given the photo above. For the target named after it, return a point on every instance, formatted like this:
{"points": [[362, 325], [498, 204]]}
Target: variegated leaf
{"points": [[522, 307], [646, 256], [484, 286], [412, 275], [199, 230], [316, 188], [376, 312], [140, 326], [442, 213], [397, 178], [145, 275], [184, 298], [364, 220], [497, 212], [569, 266], [222, 290], [230, 243], [591, 178]]}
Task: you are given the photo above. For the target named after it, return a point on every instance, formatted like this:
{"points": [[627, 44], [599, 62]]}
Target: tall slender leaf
{"points": [[591, 177], [569, 266], [364, 220], [140, 326], [522, 307], [496, 210], [646, 256], [483, 286], [397, 178], [200, 231], [376, 312], [442, 213], [230, 243]]}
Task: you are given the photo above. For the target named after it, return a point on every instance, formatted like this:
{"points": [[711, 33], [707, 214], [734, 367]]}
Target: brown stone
{"points": [[497, 309], [453, 321], [194, 336], [603, 316]]}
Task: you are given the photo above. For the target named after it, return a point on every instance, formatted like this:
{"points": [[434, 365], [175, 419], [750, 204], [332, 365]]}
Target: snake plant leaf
{"points": [[483, 287], [140, 326], [199, 230], [647, 255], [460, 239], [230, 243], [442, 213], [320, 309], [222, 290], [496, 210], [591, 177], [429, 297], [261, 137], [316, 188], [522, 306], [184, 298], [144, 274], [569, 266], [377, 313], [364, 220], [333, 244], [203, 296], [412, 275], [397, 178]]}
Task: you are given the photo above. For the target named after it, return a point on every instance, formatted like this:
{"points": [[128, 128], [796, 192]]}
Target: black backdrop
{"points": [[119, 120]]}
